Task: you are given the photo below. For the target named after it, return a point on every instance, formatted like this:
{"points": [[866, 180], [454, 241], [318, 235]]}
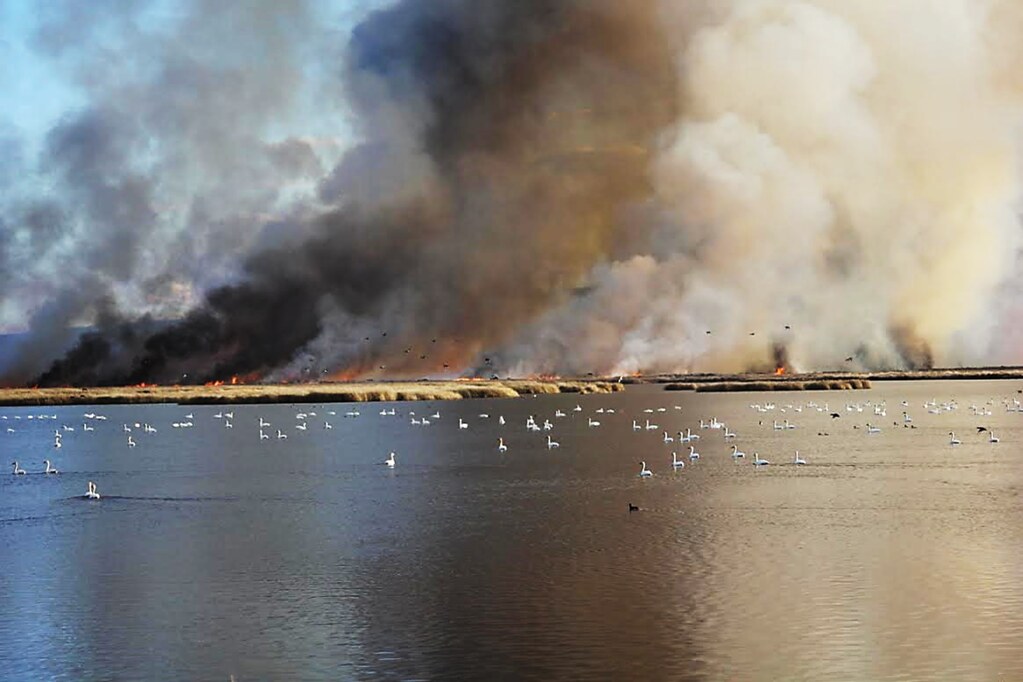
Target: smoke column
{"points": [[547, 186]]}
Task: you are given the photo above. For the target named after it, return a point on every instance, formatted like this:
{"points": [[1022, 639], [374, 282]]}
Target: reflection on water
{"points": [[215, 553]]}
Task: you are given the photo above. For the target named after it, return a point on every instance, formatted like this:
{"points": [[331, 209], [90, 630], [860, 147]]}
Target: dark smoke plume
{"points": [[527, 126]]}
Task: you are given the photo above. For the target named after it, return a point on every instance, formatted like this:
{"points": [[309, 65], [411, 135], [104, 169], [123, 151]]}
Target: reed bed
{"points": [[299, 393]]}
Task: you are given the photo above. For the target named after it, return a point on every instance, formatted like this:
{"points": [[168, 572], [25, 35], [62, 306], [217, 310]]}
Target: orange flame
{"points": [[779, 371]]}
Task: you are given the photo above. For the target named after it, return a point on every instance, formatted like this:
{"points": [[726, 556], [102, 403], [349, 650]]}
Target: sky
{"points": [[36, 90]]}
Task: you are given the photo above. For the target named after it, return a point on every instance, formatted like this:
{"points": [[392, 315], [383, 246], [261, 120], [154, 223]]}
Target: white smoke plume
{"points": [[847, 169]]}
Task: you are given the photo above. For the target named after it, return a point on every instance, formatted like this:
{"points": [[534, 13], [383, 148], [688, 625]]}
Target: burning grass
{"points": [[298, 393]]}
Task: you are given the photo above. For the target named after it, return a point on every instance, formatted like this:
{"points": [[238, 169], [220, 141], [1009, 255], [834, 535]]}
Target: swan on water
{"points": [[90, 492], [552, 443], [49, 468], [18, 471], [676, 462], [390, 460], [757, 462], [501, 447], [736, 452], [952, 440], [644, 472], [693, 454], [797, 459], [991, 437]]}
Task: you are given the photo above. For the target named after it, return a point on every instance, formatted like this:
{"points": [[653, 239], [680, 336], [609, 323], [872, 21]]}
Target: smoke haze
{"points": [[541, 186]]}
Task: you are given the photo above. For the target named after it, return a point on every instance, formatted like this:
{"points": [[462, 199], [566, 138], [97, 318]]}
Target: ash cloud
{"points": [[545, 186]]}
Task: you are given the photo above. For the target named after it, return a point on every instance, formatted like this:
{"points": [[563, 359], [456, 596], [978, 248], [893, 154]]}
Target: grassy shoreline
{"points": [[299, 393], [819, 381], [460, 390]]}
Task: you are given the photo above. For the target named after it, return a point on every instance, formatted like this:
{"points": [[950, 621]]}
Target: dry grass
{"points": [[299, 393], [816, 385]]}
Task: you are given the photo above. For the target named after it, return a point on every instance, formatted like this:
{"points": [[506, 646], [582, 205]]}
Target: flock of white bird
{"points": [[670, 438]]}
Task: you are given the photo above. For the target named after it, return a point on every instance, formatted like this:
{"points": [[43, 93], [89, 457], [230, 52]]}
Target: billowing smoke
{"points": [[538, 186]]}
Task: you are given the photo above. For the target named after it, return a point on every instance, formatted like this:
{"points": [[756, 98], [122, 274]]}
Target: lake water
{"points": [[214, 553]]}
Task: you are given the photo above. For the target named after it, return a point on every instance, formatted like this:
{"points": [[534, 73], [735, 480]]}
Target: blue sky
{"points": [[35, 91]]}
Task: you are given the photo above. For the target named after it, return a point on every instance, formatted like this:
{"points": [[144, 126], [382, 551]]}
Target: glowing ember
{"points": [[779, 371]]}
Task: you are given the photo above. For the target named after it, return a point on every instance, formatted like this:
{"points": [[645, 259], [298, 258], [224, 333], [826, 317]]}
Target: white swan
{"points": [[49, 467], [693, 454], [390, 460], [90, 492], [729, 434], [677, 463], [737, 453], [797, 459], [18, 471], [636, 426], [263, 436], [462, 424], [131, 442], [302, 427], [281, 435], [327, 426], [500, 420], [991, 437], [649, 426], [644, 472], [952, 440], [501, 447], [667, 438], [873, 429], [552, 443], [757, 462], [592, 422]]}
